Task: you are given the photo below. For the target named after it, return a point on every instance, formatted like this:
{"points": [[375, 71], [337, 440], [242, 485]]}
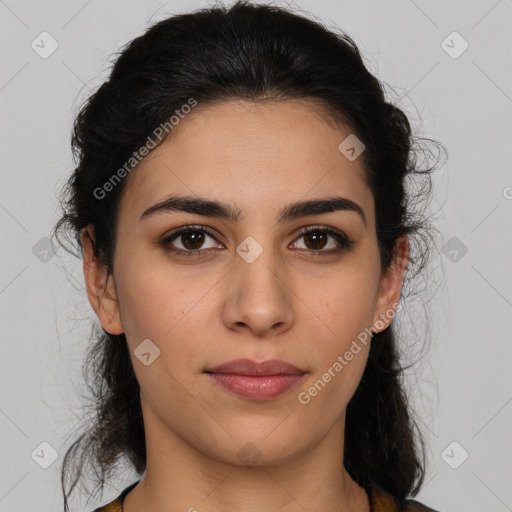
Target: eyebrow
{"points": [[210, 208]]}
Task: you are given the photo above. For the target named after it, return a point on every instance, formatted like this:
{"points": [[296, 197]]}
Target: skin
{"points": [[290, 303]]}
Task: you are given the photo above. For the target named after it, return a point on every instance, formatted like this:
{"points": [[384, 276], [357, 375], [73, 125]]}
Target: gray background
{"points": [[461, 387]]}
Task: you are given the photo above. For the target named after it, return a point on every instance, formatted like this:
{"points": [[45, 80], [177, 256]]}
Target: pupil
{"points": [[196, 237], [317, 239]]}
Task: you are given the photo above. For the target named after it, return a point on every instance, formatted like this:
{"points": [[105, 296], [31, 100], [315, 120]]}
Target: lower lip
{"points": [[258, 388]]}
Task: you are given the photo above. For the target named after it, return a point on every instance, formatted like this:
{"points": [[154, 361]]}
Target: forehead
{"points": [[254, 155]]}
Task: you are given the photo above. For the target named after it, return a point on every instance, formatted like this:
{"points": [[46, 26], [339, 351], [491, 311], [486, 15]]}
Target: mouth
{"points": [[256, 381], [249, 367]]}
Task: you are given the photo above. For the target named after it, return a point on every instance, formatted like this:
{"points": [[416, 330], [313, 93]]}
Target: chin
{"points": [[268, 447]]}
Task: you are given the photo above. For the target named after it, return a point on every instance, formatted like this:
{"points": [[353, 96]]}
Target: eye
{"points": [[315, 238], [191, 238]]}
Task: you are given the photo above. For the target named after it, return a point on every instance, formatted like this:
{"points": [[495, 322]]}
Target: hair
{"points": [[257, 53]]}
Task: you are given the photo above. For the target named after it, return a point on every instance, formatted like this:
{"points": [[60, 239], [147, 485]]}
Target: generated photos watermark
{"points": [[305, 397], [151, 143]]}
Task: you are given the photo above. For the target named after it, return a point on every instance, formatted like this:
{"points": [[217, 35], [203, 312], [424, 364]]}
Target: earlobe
{"points": [[100, 286], [391, 286]]}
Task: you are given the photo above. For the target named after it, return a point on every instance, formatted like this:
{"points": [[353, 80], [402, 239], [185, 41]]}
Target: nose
{"points": [[259, 296]]}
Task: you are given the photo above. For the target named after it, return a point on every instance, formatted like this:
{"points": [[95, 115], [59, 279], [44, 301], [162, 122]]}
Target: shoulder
{"points": [[113, 506], [383, 501], [416, 506], [117, 504]]}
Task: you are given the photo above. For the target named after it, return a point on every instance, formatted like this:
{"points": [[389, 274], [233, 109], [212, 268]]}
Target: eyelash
{"points": [[342, 239]]}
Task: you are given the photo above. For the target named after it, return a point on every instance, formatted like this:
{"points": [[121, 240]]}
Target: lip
{"points": [[257, 381], [250, 367]]}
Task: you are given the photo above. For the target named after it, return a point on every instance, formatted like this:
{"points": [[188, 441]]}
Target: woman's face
{"points": [[255, 288]]}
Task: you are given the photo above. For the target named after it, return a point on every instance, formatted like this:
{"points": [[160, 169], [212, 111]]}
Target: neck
{"points": [[181, 477]]}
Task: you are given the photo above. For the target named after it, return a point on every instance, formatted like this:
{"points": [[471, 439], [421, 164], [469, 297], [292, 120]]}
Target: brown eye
{"points": [[316, 239], [191, 239]]}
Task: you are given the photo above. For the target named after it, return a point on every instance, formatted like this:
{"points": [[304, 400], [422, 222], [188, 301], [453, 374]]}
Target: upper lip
{"points": [[249, 367]]}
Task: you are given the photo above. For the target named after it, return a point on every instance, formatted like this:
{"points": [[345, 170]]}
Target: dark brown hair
{"points": [[257, 53]]}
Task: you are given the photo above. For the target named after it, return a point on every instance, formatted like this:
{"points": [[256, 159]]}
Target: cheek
{"points": [[325, 397], [341, 352], [344, 305], [169, 309], [343, 312], [156, 307], [157, 302]]}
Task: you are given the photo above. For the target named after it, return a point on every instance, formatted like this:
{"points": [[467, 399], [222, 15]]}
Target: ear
{"points": [[391, 286], [100, 286]]}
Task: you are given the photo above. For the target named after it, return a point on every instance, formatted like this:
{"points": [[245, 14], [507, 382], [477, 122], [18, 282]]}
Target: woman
{"points": [[240, 206]]}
